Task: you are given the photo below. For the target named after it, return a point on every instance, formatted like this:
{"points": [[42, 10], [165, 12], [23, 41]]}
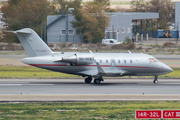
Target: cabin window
{"points": [[106, 61], [119, 61], [100, 61], [124, 61], [130, 61], [137, 61], [95, 61]]}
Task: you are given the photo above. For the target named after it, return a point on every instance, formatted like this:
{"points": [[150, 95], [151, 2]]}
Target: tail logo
{"points": [[42, 50]]}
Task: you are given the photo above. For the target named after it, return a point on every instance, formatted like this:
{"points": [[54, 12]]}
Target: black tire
{"points": [[88, 80], [155, 81], [97, 81]]}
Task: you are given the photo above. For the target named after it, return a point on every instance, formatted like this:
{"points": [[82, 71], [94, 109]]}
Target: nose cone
{"points": [[171, 70], [164, 68], [167, 69]]}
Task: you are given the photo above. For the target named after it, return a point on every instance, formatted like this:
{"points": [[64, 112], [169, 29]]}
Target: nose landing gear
{"points": [[155, 79]]}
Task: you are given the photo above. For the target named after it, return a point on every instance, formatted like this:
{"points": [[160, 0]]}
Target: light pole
{"points": [[70, 10], [177, 33]]}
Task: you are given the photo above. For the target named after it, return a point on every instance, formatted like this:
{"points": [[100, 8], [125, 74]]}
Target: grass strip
{"points": [[33, 72], [81, 111]]}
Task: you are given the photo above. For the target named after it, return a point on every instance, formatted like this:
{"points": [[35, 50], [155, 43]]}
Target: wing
{"points": [[101, 72], [92, 72], [88, 73]]}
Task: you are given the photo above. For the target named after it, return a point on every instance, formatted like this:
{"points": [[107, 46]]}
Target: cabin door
{"points": [[113, 63]]}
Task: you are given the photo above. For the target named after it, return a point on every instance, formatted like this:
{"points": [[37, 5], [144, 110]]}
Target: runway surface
{"points": [[77, 90]]}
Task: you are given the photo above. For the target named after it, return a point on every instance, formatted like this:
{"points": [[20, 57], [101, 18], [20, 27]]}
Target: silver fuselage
{"points": [[113, 64]]}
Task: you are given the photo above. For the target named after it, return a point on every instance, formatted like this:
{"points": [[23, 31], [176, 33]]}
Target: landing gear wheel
{"points": [[155, 81], [97, 81], [88, 80]]}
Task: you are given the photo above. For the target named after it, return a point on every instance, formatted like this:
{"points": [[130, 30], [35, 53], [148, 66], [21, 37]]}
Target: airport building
{"points": [[60, 30]]}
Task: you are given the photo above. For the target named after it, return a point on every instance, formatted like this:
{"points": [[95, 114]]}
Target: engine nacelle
{"points": [[79, 59]]}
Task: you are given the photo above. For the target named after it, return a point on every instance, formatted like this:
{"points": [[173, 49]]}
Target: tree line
{"points": [[165, 8], [90, 18]]}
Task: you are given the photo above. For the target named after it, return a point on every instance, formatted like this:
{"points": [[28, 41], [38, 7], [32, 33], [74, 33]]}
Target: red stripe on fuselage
{"points": [[46, 65], [96, 66], [141, 67]]}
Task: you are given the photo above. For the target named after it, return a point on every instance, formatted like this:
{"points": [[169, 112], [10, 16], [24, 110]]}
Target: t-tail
{"points": [[32, 43]]}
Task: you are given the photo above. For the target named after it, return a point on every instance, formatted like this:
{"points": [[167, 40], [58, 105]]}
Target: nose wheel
{"points": [[155, 80]]}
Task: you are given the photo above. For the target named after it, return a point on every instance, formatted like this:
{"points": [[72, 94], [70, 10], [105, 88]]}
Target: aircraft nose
{"points": [[168, 69], [171, 70], [165, 68]]}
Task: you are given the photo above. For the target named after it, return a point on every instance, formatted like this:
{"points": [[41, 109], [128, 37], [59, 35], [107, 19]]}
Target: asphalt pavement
{"points": [[76, 90]]}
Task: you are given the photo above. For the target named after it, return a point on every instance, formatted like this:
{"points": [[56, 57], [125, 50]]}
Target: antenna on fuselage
{"points": [[129, 51], [90, 51]]}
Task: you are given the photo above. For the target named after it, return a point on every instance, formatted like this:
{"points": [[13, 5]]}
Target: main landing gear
{"points": [[88, 80], [155, 79], [96, 80]]}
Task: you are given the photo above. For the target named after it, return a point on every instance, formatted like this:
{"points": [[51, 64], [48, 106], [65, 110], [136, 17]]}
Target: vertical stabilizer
{"points": [[32, 43]]}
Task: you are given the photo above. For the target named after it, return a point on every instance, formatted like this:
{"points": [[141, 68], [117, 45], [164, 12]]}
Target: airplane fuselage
{"points": [[113, 64]]}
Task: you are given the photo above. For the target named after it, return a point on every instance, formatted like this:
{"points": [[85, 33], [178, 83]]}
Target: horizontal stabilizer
{"points": [[22, 31], [8, 31], [18, 31]]}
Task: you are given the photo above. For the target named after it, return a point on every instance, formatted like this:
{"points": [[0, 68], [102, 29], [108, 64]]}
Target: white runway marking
{"points": [[37, 84], [10, 84], [26, 84]]}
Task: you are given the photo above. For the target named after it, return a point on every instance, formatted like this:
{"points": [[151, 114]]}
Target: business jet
{"points": [[88, 65]]}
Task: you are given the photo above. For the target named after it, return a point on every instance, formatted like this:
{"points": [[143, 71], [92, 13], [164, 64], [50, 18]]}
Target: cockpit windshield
{"points": [[153, 60]]}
